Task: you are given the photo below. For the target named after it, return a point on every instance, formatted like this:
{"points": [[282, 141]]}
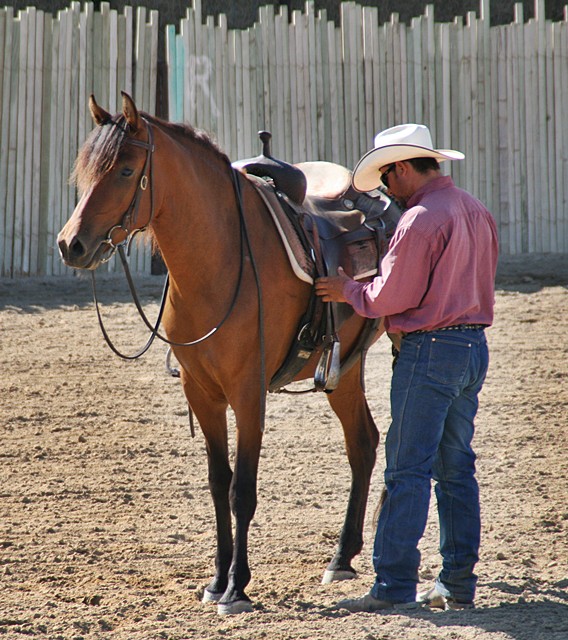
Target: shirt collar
{"points": [[443, 182]]}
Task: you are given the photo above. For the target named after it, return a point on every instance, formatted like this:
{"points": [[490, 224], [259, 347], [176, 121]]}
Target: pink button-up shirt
{"points": [[440, 267]]}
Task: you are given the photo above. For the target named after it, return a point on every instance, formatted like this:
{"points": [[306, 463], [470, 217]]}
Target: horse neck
{"points": [[196, 224]]}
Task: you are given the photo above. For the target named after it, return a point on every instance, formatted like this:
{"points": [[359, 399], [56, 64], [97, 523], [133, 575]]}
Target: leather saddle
{"points": [[332, 225]]}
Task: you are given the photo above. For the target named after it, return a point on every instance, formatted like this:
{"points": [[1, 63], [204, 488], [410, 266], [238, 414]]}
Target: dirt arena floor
{"points": [[107, 527]]}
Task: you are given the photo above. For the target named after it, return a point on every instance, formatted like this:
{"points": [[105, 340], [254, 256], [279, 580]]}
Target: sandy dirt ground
{"points": [[107, 527]]}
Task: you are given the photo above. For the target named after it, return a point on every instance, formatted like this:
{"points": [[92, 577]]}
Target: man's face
{"points": [[392, 178], [399, 179]]}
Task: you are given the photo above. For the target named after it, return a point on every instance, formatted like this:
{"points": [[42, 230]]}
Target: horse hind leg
{"points": [[361, 441]]}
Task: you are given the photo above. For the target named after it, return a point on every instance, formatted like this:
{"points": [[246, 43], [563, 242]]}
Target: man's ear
{"points": [[402, 167]]}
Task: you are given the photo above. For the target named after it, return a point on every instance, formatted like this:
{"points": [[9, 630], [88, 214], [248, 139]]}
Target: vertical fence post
{"points": [[7, 45]]}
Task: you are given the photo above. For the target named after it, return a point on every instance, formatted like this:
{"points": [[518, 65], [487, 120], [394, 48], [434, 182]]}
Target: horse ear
{"points": [[130, 112], [100, 116]]}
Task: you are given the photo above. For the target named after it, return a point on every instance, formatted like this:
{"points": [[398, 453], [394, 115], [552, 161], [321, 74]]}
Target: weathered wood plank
{"points": [[282, 89], [47, 248], [172, 62], [5, 132], [54, 180], [36, 127], [129, 61], [19, 228]]}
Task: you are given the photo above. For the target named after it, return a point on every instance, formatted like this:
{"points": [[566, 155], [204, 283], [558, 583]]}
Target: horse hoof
{"points": [[336, 576], [232, 608], [210, 596]]}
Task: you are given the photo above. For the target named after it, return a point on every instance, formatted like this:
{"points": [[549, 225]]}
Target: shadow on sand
{"points": [[537, 620], [34, 295]]}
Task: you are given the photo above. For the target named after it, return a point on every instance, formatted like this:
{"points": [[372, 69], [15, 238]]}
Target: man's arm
{"points": [[405, 274]]}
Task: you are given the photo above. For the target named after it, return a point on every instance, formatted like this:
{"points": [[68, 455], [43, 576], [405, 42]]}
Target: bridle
{"points": [[128, 219], [131, 214]]}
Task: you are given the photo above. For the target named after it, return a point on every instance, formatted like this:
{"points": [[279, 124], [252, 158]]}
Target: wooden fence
{"points": [[49, 67], [496, 93]]}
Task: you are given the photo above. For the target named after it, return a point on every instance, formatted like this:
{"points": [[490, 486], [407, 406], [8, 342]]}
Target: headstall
{"points": [[130, 216]]}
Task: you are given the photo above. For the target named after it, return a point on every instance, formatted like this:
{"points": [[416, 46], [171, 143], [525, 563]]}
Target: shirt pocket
{"points": [[448, 360]]}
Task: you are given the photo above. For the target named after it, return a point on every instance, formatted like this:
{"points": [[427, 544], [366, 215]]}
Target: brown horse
{"points": [[174, 180]]}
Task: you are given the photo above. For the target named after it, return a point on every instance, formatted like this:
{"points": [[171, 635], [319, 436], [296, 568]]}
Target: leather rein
{"points": [[129, 219]]}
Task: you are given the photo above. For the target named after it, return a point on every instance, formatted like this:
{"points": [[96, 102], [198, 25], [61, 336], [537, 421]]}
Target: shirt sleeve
{"points": [[405, 272]]}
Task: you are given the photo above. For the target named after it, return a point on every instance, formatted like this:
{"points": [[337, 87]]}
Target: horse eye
{"points": [[126, 172]]}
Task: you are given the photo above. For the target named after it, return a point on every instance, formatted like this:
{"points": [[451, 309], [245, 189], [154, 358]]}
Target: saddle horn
{"points": [[286, 177]]}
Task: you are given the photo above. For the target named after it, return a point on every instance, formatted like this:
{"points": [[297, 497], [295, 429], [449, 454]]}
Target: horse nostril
{"points": [[76, 248], [73, 250]]}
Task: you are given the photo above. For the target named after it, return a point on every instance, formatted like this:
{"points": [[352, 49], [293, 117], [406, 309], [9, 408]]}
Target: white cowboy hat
{"points": [[402, 142]]}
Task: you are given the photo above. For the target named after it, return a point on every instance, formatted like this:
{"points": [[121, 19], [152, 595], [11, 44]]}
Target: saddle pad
{"points": [[302, 266]]}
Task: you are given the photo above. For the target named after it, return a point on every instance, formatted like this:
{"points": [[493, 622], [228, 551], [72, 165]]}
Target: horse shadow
{"points": [[37, 294]]}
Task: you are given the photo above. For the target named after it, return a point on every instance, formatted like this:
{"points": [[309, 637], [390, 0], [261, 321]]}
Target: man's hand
{"points": [[330, 288]]}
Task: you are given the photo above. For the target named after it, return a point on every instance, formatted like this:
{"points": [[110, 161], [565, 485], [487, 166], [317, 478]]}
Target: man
{"points": [[436, 294]]}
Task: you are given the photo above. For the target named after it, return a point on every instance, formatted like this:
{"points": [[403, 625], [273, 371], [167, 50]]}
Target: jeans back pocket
{"points": [[448, 360]]}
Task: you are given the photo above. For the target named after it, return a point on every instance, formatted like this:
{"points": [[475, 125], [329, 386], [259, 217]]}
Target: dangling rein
{"points": [[128, 219]]}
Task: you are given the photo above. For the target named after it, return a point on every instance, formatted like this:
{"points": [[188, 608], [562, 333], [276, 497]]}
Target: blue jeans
{"points": [[434, 399]]}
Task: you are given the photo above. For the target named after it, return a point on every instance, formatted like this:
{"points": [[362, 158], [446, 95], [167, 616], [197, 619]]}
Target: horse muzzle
{"points": [[77, 253]]}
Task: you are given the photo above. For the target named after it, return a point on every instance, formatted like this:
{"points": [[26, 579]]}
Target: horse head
{"points": [[113, 176]]}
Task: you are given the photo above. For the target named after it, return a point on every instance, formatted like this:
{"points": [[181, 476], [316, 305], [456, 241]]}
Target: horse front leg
{"points": [[211, 412], [361, 440], [243, 497], [220, 476]]}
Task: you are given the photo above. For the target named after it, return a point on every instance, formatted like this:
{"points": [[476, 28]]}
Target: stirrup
{"points": [[328, 372]]}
